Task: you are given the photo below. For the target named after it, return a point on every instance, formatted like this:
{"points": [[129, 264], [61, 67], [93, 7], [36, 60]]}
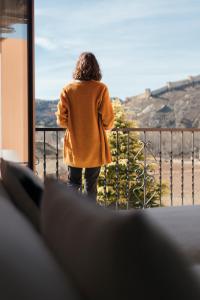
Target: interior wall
{"points": [[14, 108]]}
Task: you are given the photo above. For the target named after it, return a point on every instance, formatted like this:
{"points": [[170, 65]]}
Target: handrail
{"points": [[49, 129], [129, 129]]}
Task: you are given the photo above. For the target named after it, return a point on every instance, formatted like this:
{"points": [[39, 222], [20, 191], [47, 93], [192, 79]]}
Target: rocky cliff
{"points": [[177, 104]]}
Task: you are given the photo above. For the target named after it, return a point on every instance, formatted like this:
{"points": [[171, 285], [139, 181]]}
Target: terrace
{"points": [[80, 251]]}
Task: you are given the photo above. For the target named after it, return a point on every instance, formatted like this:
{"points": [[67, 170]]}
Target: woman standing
{"points": [[86, 111]]}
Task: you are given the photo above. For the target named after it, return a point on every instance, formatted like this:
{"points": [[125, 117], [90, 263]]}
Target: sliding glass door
{"points": [[16, 81]]}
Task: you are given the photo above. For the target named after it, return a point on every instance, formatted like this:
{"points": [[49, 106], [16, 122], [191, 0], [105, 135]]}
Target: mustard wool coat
{"points": [[85, 110]]}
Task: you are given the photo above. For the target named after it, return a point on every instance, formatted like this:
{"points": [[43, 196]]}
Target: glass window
{"points": [[14, 93]]}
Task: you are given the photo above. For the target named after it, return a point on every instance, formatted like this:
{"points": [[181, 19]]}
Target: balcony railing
{"points": [[152, 166]]}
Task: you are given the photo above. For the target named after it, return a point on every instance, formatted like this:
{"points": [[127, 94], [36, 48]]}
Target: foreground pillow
{"points": [[113, 255], [24, 188], [28, 271]]}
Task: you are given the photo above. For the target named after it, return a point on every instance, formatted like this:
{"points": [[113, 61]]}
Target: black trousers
{"points": [[91, 179]]}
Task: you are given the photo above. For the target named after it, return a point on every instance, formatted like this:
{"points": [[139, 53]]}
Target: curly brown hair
{"points": [[87, 67]]}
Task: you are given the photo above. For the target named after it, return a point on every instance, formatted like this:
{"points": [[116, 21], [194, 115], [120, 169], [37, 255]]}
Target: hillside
{"points": [[45, 113], [177, 104]]}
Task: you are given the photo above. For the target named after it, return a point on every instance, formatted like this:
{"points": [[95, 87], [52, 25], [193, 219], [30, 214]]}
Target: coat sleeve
{"points": [[62, 110], [106, 111]]}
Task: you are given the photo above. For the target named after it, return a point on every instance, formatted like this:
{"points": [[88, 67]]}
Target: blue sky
{"points": [[138, 43]]}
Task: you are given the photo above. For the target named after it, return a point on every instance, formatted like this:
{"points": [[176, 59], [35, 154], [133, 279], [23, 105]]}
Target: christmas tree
{"points": [[128, 181]]}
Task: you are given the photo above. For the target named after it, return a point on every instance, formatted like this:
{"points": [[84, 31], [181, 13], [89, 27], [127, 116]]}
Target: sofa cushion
{"points": [[113, 255], [24, 188], [196, 269], [183, 225], [28, 270], [3, 193]]}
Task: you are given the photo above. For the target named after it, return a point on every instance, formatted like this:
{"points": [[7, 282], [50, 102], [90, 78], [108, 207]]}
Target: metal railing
{"points": [[151, 166]]}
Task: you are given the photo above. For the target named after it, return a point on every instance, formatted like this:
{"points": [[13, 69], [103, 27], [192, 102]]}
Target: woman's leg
{"points": [[91, 180], [75, 177]]}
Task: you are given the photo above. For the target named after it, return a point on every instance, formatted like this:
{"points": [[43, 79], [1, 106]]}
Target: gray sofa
{"points": [[67, 259], [28, 269]]}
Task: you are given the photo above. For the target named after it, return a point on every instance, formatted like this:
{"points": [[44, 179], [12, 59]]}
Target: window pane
{"points": [[13, 75]]}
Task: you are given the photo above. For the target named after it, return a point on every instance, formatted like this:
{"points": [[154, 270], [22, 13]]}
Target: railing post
{"points": [[171, 169], [57, 162], [145, 168], [193, 167], [105, 184], [160, 165], [44, 154], [182, 168], [127, 173], [117, 169]]}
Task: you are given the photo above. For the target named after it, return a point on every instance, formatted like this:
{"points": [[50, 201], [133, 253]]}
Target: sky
{"points": [[139, 43]]}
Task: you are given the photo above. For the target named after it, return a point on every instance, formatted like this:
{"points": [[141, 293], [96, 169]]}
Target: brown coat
{"points": [[86, 111]]}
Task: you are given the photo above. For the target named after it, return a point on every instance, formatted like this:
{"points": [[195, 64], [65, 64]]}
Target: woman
{"points": [[86, 111]]}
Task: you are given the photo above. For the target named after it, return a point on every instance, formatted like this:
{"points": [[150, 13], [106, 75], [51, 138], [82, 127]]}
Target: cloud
{"points": [[80, 14], [45, 43]]}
